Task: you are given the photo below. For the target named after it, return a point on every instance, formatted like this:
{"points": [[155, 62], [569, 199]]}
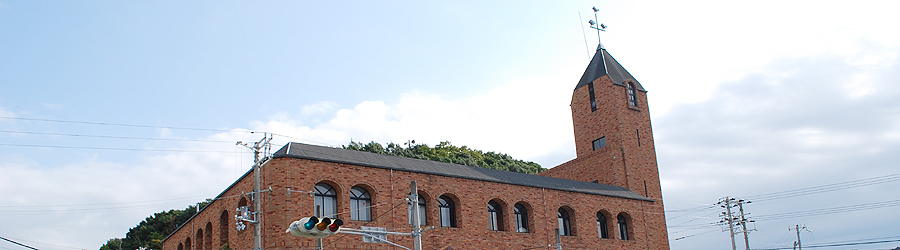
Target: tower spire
{"points": [[595, 24]]}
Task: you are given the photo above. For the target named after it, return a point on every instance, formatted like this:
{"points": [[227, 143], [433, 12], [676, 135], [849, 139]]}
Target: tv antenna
{"points": [[595, 24]]}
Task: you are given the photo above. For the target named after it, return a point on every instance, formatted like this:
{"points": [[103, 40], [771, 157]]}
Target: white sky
{"points": [[747, 98]]}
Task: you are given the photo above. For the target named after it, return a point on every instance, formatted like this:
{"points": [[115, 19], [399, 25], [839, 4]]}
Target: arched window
{"points": [[223, 228], [564, 220], [207, 238], [421, 211], [187, 243], [360, 204], [602, 229], [180, 246], [495, 216], [199, 239], [521, 218], [632, 98], [623, 227], [447, 211], [326, 201]]}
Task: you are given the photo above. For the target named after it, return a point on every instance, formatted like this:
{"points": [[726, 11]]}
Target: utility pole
{"points": [[729, 217], [797, 228], [262, 146], [417, 232], [744, 223]]}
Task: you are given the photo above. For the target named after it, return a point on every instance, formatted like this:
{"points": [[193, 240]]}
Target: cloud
{"points": [[505, 119], [795, 123]]}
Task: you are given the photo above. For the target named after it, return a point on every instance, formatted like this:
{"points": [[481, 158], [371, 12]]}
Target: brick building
{"points": [[608, 197]]}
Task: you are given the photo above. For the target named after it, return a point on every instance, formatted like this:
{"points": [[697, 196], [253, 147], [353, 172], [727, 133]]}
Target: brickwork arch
{"points": [[199, 240], [223, 228], [207, 237]]}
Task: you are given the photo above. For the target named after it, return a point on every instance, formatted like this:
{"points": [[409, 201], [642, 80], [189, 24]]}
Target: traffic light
{"points": [[315, 228]]}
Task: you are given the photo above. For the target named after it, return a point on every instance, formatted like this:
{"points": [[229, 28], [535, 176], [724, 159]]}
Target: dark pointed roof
{"points": [[360, 158], [604, 64]]}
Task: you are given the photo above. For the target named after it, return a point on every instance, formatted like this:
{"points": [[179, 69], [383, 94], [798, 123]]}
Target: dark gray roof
{"points": [[604, 64], [346, 156]]}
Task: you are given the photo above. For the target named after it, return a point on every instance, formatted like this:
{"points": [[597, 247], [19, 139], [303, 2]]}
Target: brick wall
{"points": [[389, 189]]}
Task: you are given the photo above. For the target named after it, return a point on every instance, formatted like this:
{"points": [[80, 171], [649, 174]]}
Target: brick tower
{"points": [[613, 137]]}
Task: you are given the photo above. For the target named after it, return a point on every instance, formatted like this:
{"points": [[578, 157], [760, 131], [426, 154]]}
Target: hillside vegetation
{"points": [[446, 152]]}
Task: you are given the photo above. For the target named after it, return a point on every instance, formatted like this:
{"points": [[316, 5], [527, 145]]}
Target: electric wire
{"points": [[837, 244], [825, 211], [42, 243], [826, 188], [115, 124], [102, 204], [682, 237], [116, 149], [20, 244], [110, 137]]}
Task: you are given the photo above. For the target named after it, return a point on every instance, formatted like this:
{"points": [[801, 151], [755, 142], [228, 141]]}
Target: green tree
{"points": [[447, 152], [150, 232]]}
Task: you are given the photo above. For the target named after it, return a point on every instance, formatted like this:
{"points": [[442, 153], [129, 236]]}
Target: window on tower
{"points": [[600, 143], [593, 101], [632, 98]]}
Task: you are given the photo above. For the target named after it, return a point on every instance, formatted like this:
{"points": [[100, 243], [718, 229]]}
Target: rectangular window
{"points": [[593, 101], [600, 143], [638, 131]]}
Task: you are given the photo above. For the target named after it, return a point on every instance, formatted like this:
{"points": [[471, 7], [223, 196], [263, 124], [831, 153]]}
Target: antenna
{"points": [[597, 26]]}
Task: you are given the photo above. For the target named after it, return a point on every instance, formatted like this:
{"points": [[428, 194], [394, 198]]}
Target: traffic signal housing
{"points": [[314, 227]]}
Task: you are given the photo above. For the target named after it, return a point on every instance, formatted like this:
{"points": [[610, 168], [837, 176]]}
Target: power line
{"points": [[838, 244], [118, 149], [109, 136], [20, 244], [826, 188], [833, 210], [115, 124], [48, 244], [111, 203]]}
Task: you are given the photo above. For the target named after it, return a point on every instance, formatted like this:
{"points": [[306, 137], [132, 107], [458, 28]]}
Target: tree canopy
{"points": [[151, 232], [446, 152]]}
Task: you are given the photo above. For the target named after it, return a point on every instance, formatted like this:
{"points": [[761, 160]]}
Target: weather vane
{"points": [[597, 25]]}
